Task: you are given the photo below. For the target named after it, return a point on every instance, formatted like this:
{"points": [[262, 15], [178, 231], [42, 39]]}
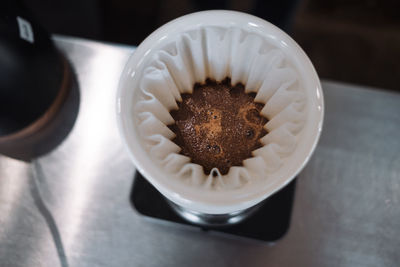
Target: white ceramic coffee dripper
{"points": [[197, 204]]}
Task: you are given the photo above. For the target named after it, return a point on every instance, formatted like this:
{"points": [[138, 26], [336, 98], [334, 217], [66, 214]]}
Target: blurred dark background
{"points": [[355, 41]]}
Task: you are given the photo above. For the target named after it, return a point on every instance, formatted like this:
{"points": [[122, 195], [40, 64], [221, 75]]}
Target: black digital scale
{"points": [[269, 223]]}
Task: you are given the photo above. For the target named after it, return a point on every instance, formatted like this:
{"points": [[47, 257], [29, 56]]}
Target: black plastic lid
{"points": [[31, 69]]}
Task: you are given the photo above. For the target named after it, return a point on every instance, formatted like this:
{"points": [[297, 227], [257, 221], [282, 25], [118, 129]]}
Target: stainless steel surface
{"points": [[71, 207]]}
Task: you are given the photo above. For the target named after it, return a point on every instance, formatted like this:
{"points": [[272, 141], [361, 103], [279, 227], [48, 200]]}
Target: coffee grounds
{"points": [[218, 125]]}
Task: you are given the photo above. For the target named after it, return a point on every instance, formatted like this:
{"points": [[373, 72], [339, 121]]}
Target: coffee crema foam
{"points": [[218, 125]]}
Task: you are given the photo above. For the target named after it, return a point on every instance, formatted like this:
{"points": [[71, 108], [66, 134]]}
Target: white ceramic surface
{"points": [[214, 201]]}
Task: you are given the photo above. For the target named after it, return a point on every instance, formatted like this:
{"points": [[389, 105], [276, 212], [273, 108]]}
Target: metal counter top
{"points": [[71, 206]]}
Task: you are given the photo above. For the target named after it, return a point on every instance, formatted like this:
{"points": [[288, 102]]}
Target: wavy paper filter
{"points": [[217, 52]]}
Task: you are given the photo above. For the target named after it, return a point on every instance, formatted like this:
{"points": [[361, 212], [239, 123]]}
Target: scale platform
{"points": [[269, 223]]}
